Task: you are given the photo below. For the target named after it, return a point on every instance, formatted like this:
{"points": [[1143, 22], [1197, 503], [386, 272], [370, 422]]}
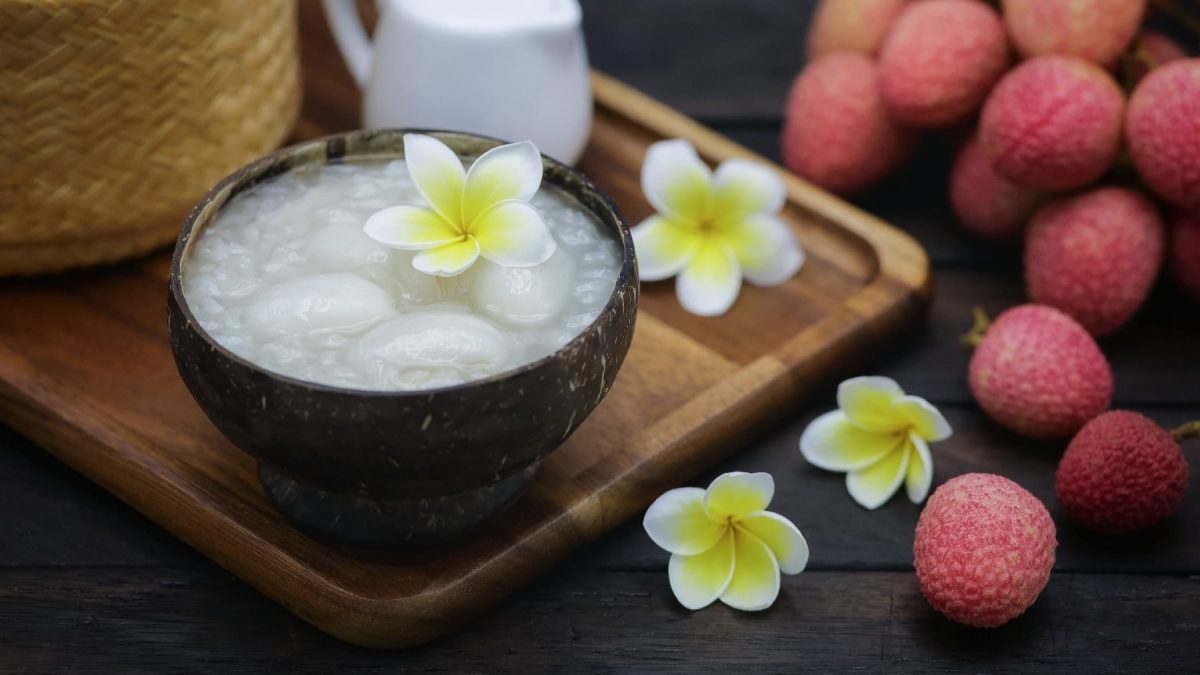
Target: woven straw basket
{"points": [[117, 115]]}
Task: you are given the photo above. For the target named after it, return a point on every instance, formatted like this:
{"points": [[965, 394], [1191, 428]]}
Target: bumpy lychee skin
{"points": [[1121, 473], [1151, 50], [1185, 252], [988, 204], [851, 26], [1095, 256], [1162, 130], [983, 549], [1039, 373], [1053, 123], [1095, 30], [940, 60], [837, 132]]}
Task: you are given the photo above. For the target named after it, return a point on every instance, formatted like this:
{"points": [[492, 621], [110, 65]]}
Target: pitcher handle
{"points": [[351, 38]]}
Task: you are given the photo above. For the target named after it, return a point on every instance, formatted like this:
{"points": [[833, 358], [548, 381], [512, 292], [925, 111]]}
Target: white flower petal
{"points": [[832, 442], [676, 181], [448, 260], [438, 174], [506, 172], [663, 248], [919, 476], [742, 188], [513, 234], [711, 281], [738, 494], [867, 401], [677, 522], [873, 486], [698, 580], [782, 536], [412, 228], [925, 419], [765, 249], [755, 582]]}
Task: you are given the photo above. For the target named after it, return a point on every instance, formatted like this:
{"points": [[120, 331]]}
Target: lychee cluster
{"points": [[1082, 138], [1064, 100]]}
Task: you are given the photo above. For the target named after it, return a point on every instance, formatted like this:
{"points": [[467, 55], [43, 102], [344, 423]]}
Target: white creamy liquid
{"points": [[285, 278]]}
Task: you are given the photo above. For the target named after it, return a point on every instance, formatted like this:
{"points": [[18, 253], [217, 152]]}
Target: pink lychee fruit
{"points": [[1053, 123], [1039, 373], [1151, 50], [983, 549], [837, 132], [1162, 130], [940, 60], [1121, 473], [851, 26], [988, 204], [1185, 252], [1095, 256], [1096, 30]]}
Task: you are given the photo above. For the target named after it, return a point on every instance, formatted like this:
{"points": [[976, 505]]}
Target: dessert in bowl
{"points": [[388, 398]]}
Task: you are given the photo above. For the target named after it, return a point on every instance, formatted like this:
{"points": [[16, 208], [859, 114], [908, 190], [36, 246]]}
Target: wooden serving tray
{"points": [[85, 370]]}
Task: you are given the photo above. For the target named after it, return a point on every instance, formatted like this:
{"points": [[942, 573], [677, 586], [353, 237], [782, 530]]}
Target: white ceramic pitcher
{"points": [[512, 69]]}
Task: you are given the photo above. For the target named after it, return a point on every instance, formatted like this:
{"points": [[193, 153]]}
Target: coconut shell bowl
{"points": [[393, 469]]}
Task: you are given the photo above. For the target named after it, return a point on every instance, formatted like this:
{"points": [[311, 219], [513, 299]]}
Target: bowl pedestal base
{"points": [[359, 521]]}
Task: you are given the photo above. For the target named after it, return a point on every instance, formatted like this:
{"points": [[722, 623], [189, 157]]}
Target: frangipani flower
{"points": [[484, 211], [712, 229], [880, 437], [724, 544]]}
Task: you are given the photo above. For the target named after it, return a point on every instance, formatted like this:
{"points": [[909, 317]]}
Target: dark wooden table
{"points": [[88, 584]]}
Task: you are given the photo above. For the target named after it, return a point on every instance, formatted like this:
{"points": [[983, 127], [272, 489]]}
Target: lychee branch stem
{"points": [[1186, 432], [1136, 61], [982, 324]]}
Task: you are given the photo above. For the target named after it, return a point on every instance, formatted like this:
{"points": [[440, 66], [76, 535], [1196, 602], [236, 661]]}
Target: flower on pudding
{"points": [[712, 229], [880, 437], [724, 544], [481, 212]]}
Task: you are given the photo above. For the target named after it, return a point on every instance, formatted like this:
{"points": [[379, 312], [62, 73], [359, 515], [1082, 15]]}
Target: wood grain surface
{"points": [[86, 583]]}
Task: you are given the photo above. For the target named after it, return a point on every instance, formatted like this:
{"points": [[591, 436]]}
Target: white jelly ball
{"points": [[410, 284], [424, 344], [317, 304], [522, 296]]}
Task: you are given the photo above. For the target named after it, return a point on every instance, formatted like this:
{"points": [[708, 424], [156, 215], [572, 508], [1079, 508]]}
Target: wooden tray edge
{"points": [[903, 278], [901, 258]]}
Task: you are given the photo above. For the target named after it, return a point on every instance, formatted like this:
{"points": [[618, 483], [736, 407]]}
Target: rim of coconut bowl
{"points": [[333, 149]]}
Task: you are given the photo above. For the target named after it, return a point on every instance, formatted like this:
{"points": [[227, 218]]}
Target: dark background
{"points": [[87, 583]]}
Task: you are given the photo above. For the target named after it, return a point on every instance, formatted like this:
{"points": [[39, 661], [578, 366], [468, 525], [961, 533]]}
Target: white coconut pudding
{"points": [[286, 278]]}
